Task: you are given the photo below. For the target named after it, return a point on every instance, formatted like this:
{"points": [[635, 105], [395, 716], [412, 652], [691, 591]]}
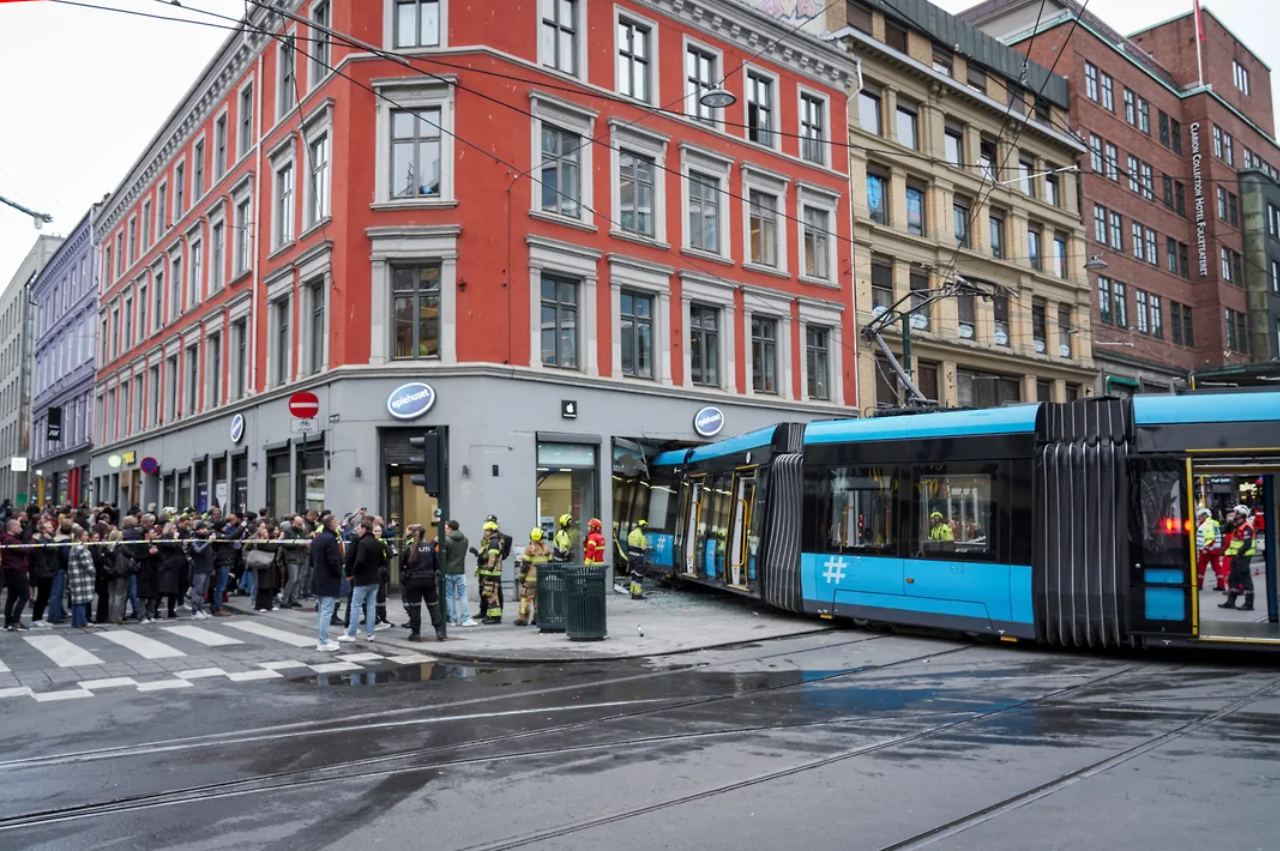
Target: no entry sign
{"points": [[304, 405]]}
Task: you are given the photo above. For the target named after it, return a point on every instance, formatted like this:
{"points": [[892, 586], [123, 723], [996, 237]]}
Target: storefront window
{"points": [[240, 482], [310, 477], [221, 495], [566, 485], [184, 491], [277, 483], [202, 486]]}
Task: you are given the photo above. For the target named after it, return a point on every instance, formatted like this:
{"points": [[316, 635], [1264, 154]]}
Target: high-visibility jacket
{"points": [[636, 544], [490, 559], [1242, 541], [531, 559], [563, 549], [1209, 534], [941, 532], [593, 549]]}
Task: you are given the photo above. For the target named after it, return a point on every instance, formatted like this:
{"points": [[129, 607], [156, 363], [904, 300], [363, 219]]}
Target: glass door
{"points": [[1162, 588], [693, 528], [739, 550]]}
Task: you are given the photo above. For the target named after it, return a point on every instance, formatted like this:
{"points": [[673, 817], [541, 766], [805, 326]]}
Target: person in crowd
{"points": [[172, 568], [261, 554], [226, 541], [562, 543], [939, 529], [419, 575], [101, 576], [1209, 550], [1241, 551], [17, 581], [326, 572], [120, 567], [294, 536], [593, 549], [638, 557], [455, 574], [200, 548], [148, 575], [386, 537], [535, 554], [363, 561], [81, 576], [42, 564], [65, 537], [489, 572]]}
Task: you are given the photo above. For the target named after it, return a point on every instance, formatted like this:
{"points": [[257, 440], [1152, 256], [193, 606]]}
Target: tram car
{"points": [[1066, 524]]}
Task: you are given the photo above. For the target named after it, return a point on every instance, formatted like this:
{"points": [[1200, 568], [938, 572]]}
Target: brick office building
{"points": [[378, 242], [1163, 203]]}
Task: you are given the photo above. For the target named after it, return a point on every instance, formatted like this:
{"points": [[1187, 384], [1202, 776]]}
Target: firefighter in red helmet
{"points": [[594, 549]]}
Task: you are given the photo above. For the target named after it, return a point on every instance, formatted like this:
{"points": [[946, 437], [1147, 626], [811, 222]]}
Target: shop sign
{"points": [[1197, 186], [568, 409], [709, 421], [18, 464], [237, 428], [410, 401]]}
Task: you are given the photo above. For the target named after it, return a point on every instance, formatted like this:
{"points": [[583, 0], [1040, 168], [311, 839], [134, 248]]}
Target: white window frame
{"points": [[319, 123], [766, 304], [638, 140], [173, 315], [195, 198], [389, 27], [775, 118], [196, 236], [280, 289], [581, 34], [651, 67], [175, 214], [717, 74], [713, 164], [241, 153], [776, 184], [298, 91], [811, 195], [653, 280], [564, 259], [411, 244], [283, 157], [803, 91], [233, 232], [214, 326], [828, 315], [715, 292], [575, 119], [312, 266], [411, 93], [317, 73]]}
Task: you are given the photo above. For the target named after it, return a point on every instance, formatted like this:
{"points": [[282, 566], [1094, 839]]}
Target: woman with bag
{"points": [[81, 579], [261, 557]]}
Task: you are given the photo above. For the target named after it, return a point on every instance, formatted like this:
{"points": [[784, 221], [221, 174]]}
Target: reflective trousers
{"points": [[528, 603], [1209, 557], [491, 595]]}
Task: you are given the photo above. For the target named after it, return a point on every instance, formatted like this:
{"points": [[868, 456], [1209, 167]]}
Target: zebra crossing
{"points": [[51, 666]]}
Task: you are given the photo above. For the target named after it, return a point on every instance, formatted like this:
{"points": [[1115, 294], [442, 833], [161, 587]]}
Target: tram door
{"points": [[1162, 588], [740, 530], [692, 528]]}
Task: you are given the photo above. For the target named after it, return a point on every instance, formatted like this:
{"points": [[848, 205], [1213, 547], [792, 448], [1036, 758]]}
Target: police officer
{"points": [[535, 554], [562, 544], [419, 576], [1241, 551], [637, 557]]}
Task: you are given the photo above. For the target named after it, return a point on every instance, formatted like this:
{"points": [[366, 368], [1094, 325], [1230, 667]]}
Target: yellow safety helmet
{"points": [[535, 535], [491, 527], [566, 519], [937, 515], [643, 524]]}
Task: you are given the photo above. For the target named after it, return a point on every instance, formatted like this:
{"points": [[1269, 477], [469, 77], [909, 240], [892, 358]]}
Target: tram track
{"points": [[342, 771], [382, 766]]}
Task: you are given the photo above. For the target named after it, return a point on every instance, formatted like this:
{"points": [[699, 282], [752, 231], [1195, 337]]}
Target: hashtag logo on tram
{"points": [[835, 570]]}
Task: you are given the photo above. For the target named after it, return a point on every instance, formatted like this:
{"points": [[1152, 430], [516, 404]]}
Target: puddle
{"points": [[405, 674]]}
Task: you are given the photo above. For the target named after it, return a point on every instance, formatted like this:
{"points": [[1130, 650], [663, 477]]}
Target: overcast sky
{"points": [[85, 90]]}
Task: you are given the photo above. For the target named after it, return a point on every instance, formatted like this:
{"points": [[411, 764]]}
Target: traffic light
{"points": [[429, 460]]}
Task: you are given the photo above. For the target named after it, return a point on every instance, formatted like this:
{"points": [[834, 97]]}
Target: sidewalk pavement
{"points": [[667, 622]]}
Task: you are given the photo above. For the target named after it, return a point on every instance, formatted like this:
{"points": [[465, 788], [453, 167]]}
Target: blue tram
{"points": [[1068, 524]]}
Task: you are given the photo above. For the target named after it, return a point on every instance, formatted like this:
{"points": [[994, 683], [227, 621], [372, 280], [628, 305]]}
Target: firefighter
{"points": [[939, 529], [637, 557], [535, 554], [506, 551], [593, 549], [562, 543], [489, 572], [1209, 545], [1241, 551]]}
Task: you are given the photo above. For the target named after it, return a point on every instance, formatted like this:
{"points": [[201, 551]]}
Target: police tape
{"points": [[249, 544]]}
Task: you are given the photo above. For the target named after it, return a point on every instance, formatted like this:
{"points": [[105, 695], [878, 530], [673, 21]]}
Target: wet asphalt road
{"points": [[846, 740]]}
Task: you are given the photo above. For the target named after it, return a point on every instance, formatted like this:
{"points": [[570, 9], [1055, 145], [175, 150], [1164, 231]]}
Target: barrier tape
{"points": [[157, 541]]}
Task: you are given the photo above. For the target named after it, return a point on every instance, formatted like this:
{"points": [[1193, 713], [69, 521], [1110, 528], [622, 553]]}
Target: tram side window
{"points": [[860, 509], [1162, 497], [713, 527], [663, 507], [954, 514]]}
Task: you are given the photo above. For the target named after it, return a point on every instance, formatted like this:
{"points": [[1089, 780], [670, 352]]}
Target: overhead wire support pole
{"points": [[40, 219]]}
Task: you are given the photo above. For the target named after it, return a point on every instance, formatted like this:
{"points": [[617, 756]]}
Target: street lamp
{"points": [[717, 98], [1095, 264]]}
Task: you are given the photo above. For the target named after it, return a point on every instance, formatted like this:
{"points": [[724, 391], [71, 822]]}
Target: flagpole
{"points": [[1199, 38]]}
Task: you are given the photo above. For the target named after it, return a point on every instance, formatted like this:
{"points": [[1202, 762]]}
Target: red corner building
{"points": [[1180, 198], [519, 223]]}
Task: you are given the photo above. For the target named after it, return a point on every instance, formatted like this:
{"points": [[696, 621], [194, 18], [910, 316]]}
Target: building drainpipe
{"points": [[255, 227]]}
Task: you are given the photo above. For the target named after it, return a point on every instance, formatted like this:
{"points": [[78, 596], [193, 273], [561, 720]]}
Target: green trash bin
{"points": [[551, 597], [586, 589]]}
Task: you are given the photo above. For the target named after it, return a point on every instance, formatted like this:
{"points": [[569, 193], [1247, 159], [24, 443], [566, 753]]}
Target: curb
{"points": [[533, 656]]}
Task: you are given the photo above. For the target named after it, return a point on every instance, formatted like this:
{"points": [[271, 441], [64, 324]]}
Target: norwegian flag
{"points": [[1199, 21]]}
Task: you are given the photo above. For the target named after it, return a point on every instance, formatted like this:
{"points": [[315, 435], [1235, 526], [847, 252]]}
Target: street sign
{"points": [[150, 466], [304, 405], [304, 426]]}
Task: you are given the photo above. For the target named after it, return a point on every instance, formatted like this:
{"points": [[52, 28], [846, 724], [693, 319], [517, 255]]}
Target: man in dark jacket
{"points": [[201, 566], [296, 562], [455, 574], [226, 548], [13, 564], [326, 579], [364, 558]]}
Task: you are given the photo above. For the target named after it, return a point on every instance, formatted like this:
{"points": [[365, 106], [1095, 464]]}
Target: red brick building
{"points": [[1180, 292], [523, 227]]}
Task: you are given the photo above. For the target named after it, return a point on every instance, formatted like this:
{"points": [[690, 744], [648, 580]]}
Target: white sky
{"points": [[86, 90]]}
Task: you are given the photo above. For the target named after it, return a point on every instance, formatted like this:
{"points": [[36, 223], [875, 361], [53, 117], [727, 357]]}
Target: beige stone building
{"points": [[928, 129]]}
